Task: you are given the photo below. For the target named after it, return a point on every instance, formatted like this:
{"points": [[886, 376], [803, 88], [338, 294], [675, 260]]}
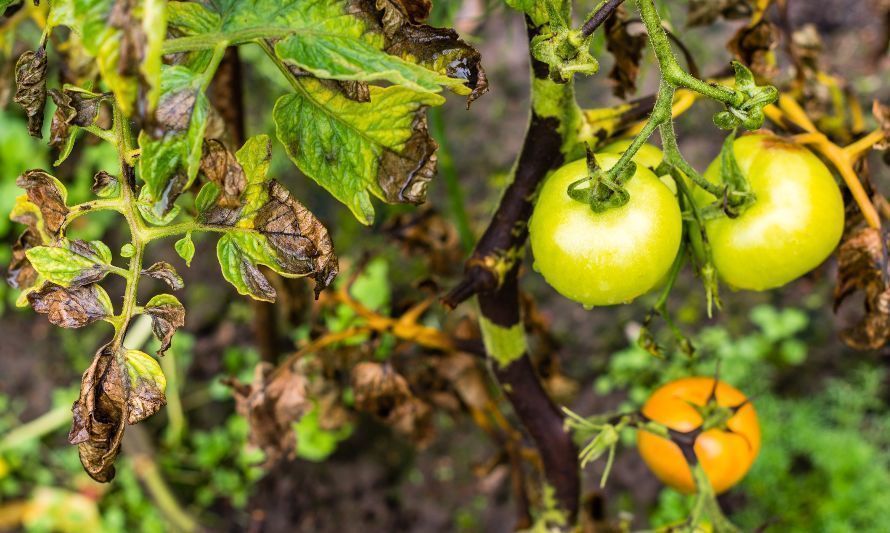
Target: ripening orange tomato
{"points": [[725, 456]]}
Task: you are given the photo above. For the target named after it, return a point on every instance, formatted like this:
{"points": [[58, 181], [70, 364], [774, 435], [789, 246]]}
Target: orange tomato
{"points": [[726, 456]]}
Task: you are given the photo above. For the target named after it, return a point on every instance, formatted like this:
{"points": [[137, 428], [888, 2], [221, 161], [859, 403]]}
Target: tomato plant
{"points": [[726, 450], [604, 258], [268, 130]]}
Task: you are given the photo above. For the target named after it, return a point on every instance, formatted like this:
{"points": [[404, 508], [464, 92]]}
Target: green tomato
{"points": [[794, 224], [610, 257]]}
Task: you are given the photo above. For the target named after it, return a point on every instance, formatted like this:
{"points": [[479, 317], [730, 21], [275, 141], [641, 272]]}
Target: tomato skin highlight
{"points": [[725, 456], [610, 257], [795, 223]]}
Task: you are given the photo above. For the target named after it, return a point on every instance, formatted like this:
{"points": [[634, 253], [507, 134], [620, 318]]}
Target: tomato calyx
{"points": [[602, 190], [747, 110]]}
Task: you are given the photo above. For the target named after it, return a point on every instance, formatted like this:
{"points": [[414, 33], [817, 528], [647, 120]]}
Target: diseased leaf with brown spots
{"points": [[397, 13], [404, 177], [146, 385], [105, 185], [167, 316], [73, 108], [301, 242], [30, 93], [863, 266], [627, 49], [271, 405], [358, 91], [21, 274], [49, 195], [100, 414], [73, 307], [704, 12], [753, 46], [165, 272], [221, 168]]}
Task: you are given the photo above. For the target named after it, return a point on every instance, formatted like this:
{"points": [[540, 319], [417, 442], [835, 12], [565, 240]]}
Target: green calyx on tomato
{"points": [[793, 224], [607, 257]]}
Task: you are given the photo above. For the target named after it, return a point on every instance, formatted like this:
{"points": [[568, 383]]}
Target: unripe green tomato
{"points": [[794, 224], [648, 155], [610, 257]]}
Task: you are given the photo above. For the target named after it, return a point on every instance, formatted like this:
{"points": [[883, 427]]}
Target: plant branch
{"points": [[600, 14]]}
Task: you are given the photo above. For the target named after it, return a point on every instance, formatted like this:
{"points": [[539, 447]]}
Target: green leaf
{"points": [[147, 385], [356, 149], [105, 185], [71, 263], [128, 250], [239, 254], [325, 37], [185, 247]]}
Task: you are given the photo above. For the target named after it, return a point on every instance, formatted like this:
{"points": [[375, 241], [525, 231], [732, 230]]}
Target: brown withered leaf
{"points": [[384, 393], [271, 404], [404, 177], [30, 93], [863, 266], [167, 316], [100, 414], [300, 240], [704, 12], [43, 192], [72, 307], [752, 46], [21, 274], [425, 233], [220, 167], [627, 49], [806, 48], [165, 272]]}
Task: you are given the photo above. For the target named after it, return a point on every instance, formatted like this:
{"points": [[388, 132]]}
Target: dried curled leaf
{"points": [[426, 234], [49, 195], [753, 46], [271, 404], [21, 273], [384, 393], [120, 386], [73, 307], [404, 176], [704, 12], [100, 414], [165, 272], [167, 316], [30, 93], [627, 49], [863, 266], [74, 107]]}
